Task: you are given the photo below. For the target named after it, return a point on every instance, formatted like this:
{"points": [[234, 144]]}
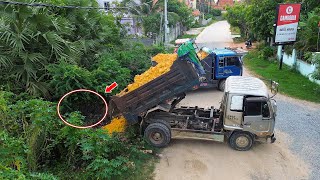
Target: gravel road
{"points": [[300, 120], [295, 154]]}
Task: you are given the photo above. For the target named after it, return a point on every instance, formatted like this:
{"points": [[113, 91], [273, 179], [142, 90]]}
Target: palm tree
{"points": [[33, 37]]}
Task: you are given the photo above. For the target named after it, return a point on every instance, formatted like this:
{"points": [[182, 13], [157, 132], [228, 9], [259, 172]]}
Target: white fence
{"points": [[303, 67]]}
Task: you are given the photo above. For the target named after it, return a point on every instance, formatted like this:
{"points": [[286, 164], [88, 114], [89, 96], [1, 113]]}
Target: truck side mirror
{"points": [[274, 87]]}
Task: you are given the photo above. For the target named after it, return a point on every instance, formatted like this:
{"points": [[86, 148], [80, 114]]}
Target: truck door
{"points": [[233, 66], [257, 116]]}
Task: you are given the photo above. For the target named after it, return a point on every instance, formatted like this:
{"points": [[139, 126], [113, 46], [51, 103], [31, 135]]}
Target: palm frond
{"points": [[4, 62]]}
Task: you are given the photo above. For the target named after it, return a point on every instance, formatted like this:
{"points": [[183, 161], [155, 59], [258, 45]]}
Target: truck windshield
{"points": [[232, 61]]}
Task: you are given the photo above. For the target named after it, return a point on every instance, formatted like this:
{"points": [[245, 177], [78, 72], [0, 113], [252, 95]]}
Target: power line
{"points": [[14, 3]]}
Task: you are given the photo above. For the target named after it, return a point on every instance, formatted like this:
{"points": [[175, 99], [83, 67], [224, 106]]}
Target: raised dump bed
{"points": [[181, 78]]}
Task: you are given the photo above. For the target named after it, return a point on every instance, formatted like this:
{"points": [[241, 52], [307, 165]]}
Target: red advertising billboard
{"points": [[287, 23]]}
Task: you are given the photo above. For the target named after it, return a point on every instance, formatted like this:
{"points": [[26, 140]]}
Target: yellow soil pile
{"points": [[165, 62], [201, 54], [117, 124]]}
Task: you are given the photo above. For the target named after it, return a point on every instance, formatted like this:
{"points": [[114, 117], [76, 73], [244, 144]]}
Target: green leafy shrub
{"points": [[38, 141], [12, 153], [67, 77], [13, 164], [108, 71], [151, 23], [307, 36], [267, 52], [134, 56], [196, 24], [215, 12], [208, 16], [316, 60]]}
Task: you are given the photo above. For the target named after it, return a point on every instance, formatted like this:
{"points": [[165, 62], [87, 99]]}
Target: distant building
{"points": [[190, 3], [130, 22], [222, 4], [193, 4]]}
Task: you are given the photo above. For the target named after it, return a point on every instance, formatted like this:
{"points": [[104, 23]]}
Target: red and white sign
{"points": [[287, 23]]}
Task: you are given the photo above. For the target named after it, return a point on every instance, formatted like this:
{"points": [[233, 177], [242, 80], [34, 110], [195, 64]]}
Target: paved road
{"points": [[300, 120], [295, 155], [216, 35]]}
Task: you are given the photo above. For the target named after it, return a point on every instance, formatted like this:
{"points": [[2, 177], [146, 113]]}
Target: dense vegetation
{"points": [[207, 10], [255, 19], [44, 53], [152, 15]]}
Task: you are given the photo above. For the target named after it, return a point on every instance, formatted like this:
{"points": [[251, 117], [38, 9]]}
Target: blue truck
{"points": [[220, 64]]}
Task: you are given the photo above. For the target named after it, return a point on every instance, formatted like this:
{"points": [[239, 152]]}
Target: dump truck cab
{"points": [[219, 64], [247, 107], [248, 112]]}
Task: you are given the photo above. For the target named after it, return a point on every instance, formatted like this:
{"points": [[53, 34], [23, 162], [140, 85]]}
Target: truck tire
{"points": [[162, 122], [241, 141], [222, 84], [157, 134]]}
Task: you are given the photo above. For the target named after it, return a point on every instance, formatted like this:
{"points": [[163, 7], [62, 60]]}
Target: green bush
{"points": [[134, 56], [66, 77], [38, 141], [13, 159], [196, 24], [45, 53], [151, 23], [267, 52], [316, 60], [215, 12], [208, 16], [12, 152]]}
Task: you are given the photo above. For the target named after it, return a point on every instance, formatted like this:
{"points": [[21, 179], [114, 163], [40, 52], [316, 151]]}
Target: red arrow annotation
{"points": [[111, 87]]}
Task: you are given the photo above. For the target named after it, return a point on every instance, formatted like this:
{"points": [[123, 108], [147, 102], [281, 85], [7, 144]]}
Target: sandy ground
{"points": [[204, 160]]}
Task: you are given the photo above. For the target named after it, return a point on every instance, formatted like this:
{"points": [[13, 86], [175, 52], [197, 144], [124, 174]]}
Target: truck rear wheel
{"points": [[222, 84], [241, 141], [166, 123], [157, 134]]}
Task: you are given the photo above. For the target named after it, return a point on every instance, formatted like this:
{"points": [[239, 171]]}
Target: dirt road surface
{"points": [[203, 160]]}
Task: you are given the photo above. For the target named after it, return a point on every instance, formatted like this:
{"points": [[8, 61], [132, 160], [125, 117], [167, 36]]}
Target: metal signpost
{"points": [[286, 26]]}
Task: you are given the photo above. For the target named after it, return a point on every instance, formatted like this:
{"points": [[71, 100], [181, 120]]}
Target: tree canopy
{"points": [[256, 18]]}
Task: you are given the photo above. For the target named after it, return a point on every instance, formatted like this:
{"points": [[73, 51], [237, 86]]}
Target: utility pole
{"points": [[281, 57], [318, 36], [165, 22]]}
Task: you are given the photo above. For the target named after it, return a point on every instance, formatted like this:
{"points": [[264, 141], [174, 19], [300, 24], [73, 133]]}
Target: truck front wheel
{"points": [[157, 134], [222, 85], [241, 141]]}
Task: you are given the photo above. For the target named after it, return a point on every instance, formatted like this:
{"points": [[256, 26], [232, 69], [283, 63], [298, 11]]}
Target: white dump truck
{"points": [[246, 114]]}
